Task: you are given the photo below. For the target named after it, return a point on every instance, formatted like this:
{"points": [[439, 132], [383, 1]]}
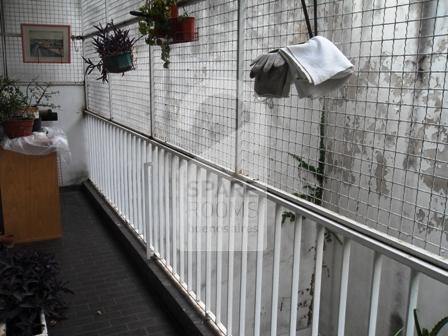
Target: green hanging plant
{"points": [[434, 331], [155, 24]]}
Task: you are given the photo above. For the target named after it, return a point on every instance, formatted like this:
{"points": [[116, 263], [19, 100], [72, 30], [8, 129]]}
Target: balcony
{"points": [[193, 206]]}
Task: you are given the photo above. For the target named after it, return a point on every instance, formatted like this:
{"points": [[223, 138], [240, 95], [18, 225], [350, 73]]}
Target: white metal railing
{"points": [[236, 278]]}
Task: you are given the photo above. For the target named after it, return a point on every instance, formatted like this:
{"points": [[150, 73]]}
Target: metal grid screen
{"points": [[45, 12], [194, 101], [97, 92], [379, 145], [130, 92], [384, 136]]}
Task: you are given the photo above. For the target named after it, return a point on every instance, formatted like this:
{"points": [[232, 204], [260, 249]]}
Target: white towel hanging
{"points": [[317, 66]]}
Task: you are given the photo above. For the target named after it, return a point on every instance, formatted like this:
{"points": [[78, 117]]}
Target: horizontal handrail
{"points": [[405, 253]]}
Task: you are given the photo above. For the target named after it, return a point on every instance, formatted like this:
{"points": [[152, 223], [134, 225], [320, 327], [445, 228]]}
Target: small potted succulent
{"points": [[114, 46], [16, 115], [30, 292], [160, 23]]}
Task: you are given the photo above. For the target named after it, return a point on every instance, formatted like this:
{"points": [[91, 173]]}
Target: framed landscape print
{"points": [[45, 43]]}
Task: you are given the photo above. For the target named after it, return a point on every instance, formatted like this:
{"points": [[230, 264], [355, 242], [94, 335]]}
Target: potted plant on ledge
{"points": [[160, 23], [114, 46], [16, 115], [30, 291]]}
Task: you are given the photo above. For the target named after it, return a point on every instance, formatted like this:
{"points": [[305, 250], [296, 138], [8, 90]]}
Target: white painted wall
{"points": [[71, 100], [67, 78]]}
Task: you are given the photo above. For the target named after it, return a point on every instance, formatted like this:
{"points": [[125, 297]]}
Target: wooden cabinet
{"points": [[30, 196]]}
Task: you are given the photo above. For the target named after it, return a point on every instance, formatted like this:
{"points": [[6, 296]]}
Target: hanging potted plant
{"points": [[30, 291], [16, 115], [161, 25], [114, 46]]}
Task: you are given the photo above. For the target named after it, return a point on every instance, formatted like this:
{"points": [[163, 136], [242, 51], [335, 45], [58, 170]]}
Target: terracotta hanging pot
{"points": [[184, 29]]}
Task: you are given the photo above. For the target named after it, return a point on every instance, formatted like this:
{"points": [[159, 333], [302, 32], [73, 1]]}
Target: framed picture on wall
{"points": [[45, 43]]}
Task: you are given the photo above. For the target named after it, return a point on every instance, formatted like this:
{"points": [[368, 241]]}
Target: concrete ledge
{"points": [[170, 297]]}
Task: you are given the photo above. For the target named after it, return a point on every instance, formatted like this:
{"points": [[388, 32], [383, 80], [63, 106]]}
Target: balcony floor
{"points": [[110, 297]]}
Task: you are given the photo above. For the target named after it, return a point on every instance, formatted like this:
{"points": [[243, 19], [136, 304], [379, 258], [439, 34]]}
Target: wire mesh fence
{"points": [[130, 92], [194, 100], [374, 151], [48, 13]]}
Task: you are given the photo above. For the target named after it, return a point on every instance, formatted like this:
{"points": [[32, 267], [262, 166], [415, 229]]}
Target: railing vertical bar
{"points": [[134, 183], [90, 146], [276, 268], [116, 164], [344, 286], [201, 178], [295, 274], [119, 172], [98, 150], [375, 292], [220, 218], [111, 138], [108, 163], [93, 147], [101, 175], [208, 256], [144, 200], [104, 165], [148, 208], [191, 181], [88, 123], [150, 233], [318, 280], [243, 284], [261, 221], [167, 207], [139, 164], [156, 200], [175, 209], [126, 190], [231, 257], [183, 180], [161, 197], [123, 176], [111, 164], [129, 179], [412, 302]]}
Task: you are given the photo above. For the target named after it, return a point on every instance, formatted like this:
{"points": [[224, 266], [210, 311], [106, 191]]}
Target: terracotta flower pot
{"points": [[184, 29], [174, 12], [16, 128]]}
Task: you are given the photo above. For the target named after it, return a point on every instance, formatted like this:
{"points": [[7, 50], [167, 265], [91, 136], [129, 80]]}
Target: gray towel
{"points": [[272, 75]]}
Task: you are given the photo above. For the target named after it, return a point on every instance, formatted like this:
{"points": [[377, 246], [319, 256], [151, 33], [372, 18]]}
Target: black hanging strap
{"points": [[307, 18]]}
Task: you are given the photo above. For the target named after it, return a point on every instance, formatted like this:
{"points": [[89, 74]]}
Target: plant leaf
{"points": [[438, 327]]}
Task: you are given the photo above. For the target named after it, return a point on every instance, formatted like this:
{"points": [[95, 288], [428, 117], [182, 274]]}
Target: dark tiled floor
{"points": [[110, 298]]}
